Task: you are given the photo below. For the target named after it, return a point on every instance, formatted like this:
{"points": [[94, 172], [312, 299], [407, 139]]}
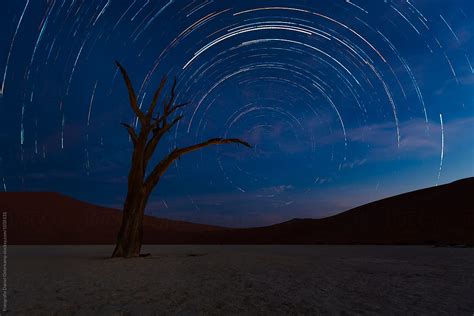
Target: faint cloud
{"points": [[277, 189], [418, 139], [354, 163]]}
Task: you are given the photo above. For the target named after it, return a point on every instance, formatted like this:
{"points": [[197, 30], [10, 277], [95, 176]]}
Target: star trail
{"points": [[344, 102]]}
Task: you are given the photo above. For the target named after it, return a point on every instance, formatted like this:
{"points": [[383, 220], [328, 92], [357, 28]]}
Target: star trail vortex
{"points": [[344, 101]]}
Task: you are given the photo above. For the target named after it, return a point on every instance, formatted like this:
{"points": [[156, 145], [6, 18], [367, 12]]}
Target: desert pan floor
{"points": [[241, 280]]}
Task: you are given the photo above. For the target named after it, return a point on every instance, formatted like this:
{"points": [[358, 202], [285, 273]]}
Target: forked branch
{"points": [[131, 132], [158, 133], [163, 118]]}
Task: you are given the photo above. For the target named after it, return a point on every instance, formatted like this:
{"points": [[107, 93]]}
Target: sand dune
{"points": [[52, 218], [443, 214]]}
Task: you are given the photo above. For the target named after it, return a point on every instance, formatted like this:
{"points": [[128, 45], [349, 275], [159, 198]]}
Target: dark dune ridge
{"points": [[52, 218], [437, 215]]}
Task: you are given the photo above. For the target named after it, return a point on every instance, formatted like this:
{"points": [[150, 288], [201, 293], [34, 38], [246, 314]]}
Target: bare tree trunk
{"points": [[130, 236]]}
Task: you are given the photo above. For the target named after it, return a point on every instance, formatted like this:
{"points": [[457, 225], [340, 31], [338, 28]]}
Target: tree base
{"points": [[119, 252]]}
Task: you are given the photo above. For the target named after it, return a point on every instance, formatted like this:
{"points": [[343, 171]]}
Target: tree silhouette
{"points": [[145, 140]]}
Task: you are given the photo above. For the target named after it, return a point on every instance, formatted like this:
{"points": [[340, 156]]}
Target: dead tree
{"points": [[145, 140]]}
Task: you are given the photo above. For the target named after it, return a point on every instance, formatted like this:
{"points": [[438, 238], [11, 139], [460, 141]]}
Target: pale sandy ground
{"points": [[243, 280]]}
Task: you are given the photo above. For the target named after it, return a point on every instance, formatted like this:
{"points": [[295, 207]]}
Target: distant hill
{"points": [[52, 218], [442, 214]]}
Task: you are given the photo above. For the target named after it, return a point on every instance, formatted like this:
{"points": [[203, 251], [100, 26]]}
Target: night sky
{"points": [[345, 102]]}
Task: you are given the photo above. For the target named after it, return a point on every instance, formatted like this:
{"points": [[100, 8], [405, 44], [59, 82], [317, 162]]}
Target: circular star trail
{"points": [[334, 96]]}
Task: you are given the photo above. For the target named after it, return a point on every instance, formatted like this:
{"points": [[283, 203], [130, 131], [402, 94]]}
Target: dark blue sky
{"points": [[345, 102]]}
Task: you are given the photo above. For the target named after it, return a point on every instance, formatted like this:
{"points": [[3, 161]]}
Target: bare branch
{"points": [[131, 94], [164, 116], [132, 133], [213, 141], [171, 100], [151, 109], [178, 106], [160, 169], [157, 135], [173, 123], [160, 119]]}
